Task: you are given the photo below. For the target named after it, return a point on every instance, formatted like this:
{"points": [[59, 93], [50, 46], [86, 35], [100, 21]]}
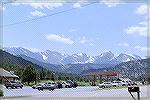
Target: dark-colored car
{"points": [[13, 84], [59, 85]]}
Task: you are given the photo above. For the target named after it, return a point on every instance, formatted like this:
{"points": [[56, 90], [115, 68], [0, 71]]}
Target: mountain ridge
{"points": [[54, 57]]}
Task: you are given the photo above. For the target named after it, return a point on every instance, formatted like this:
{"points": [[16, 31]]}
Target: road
{"points": [[79, 92]]}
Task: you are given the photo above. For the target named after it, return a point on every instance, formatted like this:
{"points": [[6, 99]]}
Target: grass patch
{"points": [[83, 83], [118, 87], [1, 93]]}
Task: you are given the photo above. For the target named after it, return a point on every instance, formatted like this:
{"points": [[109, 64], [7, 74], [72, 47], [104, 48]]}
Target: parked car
{"points": [[105, 85], [35, 86], [13, 84], [65, 84], [74, 84], [69, 84], [119, 83], [52, 84], [59, 85], [132, 83], [49, 86]]}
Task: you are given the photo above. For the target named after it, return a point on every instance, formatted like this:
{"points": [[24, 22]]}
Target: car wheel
{"points": [[7, 87], [114, 85], [52, 89], [12, 87], [67, 86], [103, 86], [39, 89]]}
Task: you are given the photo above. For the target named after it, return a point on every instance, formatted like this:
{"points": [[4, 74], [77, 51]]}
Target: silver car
{"points": [[105, 85]]}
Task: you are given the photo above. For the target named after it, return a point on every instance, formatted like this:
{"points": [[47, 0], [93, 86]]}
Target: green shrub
{"points": [[1, 93]]}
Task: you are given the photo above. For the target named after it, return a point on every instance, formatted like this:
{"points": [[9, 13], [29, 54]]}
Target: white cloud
{"points": [[142, 10], [37, 13], [141, 28], [84, 40], [123, 44], [142, 48], [57, 38], [77, 5], [40, 5], [111, 3]]}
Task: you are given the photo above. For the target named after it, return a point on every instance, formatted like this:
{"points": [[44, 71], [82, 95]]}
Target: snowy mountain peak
{"points": [[80, 54], [53, 57], [44, 57]]}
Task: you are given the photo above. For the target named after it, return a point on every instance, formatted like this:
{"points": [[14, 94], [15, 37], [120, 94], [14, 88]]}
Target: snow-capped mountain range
{"points": [[53, 57]]}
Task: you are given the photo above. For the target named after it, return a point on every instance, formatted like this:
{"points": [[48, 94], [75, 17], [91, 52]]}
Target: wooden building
{"points": [[100, 75], [6, 76]]}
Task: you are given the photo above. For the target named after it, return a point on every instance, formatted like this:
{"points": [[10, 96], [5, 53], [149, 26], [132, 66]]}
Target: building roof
{"points": [[124, 79], [7, 73]]}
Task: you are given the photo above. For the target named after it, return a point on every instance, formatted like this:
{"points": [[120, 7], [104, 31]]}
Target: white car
{"points": [[119, 83], [105, 84], [66, 84]]}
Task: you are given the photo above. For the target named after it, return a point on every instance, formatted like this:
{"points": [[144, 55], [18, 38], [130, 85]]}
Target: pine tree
{"points": [[29, 74], [42, 74], [52, 77]]}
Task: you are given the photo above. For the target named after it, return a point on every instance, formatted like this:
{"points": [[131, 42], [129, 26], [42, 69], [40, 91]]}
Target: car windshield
{"points": [[69, 82], [107, 83]]}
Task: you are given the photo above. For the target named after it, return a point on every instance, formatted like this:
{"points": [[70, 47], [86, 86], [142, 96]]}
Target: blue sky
{"points": [[93, 29]]}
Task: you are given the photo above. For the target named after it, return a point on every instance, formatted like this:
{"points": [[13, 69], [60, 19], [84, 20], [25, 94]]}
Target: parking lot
{"points": [[87, 91]]}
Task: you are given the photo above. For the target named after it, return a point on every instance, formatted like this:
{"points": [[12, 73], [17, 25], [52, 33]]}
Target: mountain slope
{"points": [[7, 58], [51, 57], [51, 67], [79, 68], [135, 70]]}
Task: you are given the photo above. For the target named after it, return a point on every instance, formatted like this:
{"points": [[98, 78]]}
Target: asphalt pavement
{"points": [[86, 92]]}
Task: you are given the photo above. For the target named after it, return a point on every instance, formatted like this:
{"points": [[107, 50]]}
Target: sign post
{"points": [[134, 89]]}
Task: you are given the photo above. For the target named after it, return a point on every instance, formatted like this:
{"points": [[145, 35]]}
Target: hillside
{"points": [[7, 58], [135, 70]]}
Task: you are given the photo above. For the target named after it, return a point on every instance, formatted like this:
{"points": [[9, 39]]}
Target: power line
{"points": [[29, 20]]}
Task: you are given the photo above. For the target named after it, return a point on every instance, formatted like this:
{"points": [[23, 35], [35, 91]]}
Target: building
{"points": [[100, 75], [6, 76]]}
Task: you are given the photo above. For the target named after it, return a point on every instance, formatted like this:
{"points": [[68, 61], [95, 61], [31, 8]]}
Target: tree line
{"points": [[31, 74]]}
